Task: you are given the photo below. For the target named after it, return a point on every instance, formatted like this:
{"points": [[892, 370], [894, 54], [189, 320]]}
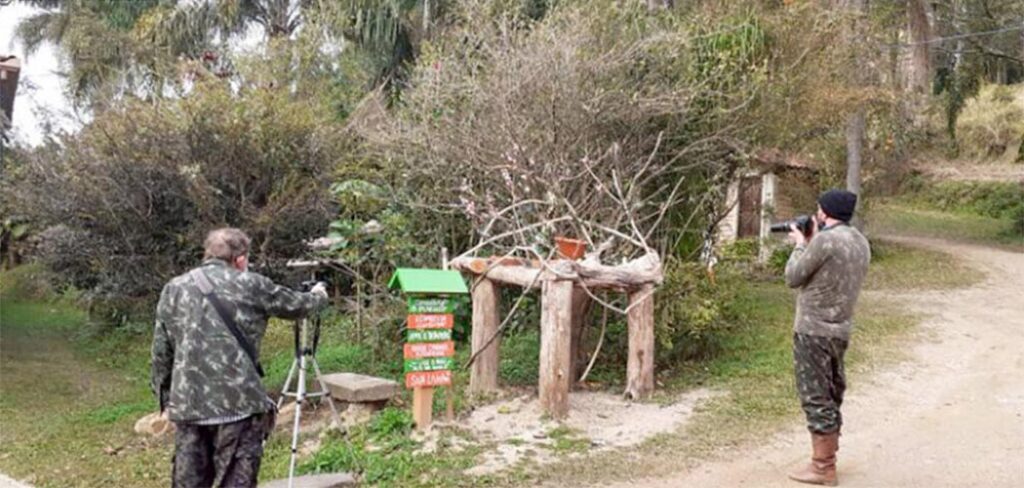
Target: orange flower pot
{"points": [[570, 248]]}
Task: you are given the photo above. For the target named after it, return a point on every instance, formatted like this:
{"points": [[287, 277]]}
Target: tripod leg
{"points": [[300, 397], [287, 382], [327, 393]]}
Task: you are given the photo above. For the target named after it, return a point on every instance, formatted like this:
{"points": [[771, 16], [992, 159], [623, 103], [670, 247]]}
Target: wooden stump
{"points": [[640, 365], [484, 374], [555, 347]]}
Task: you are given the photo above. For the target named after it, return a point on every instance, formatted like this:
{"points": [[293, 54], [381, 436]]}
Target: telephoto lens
{"points": [[803, 223]]}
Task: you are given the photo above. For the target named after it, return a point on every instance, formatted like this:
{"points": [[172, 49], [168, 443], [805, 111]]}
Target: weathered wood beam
{"points": [[641, 271], [555, 347], [640, 363], [484, 373]]}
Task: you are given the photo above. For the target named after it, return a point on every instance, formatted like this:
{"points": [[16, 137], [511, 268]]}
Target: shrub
{"points": [[692, 311], [996, 199], [992, 124], [133, 194]]}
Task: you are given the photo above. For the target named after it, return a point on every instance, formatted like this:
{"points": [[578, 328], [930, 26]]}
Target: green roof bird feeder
{"points": [[428, 348]]}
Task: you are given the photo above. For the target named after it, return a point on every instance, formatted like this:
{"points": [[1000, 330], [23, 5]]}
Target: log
{"points": [[581, 304], [484, 374], [515, 275], [641, 271], [555, 345], [640, 364], [636, 273]]}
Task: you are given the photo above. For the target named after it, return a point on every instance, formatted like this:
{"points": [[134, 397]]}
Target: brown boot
{"points": [[822, 468]]}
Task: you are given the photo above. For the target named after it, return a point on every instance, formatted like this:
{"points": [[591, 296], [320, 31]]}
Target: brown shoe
{"points": [[822, 468]]}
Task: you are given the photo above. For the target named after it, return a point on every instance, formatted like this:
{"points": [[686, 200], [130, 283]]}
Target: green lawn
{"points": [[893, 218]]}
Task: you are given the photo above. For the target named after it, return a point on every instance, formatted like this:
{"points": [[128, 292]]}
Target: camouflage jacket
{"points": [[199, 371], [829, 272]]}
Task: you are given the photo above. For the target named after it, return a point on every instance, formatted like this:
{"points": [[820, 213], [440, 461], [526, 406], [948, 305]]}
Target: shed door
{"points": [[750, 207]]}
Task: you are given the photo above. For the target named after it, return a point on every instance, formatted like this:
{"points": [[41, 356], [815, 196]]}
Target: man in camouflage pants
{"points": [[201, 373], [828, 268]]}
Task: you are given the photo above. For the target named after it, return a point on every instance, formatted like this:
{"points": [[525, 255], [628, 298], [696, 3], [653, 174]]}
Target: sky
{"points": [[40, 96]]}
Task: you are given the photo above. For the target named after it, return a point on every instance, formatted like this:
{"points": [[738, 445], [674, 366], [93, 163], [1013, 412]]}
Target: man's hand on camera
{"points": [[320, 288], [795, 236]]}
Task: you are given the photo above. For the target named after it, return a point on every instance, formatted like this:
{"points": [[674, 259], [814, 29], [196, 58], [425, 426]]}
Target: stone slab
{"points": [[359, 388], [332, 480]]}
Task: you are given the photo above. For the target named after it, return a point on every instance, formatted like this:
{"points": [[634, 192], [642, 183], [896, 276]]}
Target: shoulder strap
{"points": [[206, 288]]}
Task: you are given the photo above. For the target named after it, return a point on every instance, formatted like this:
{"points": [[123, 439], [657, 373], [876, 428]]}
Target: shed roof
{"points": [[428, 281], [778, 159]]}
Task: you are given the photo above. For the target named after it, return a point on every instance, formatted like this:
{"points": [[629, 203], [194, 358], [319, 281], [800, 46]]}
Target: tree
{"points": [[856, 122], [94, 38], [920, 29]]}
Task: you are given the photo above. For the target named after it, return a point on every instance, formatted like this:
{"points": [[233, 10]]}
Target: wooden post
{"points": [[580, 313], [640, 365], [422, 406], [484, 374], [555, 345]]}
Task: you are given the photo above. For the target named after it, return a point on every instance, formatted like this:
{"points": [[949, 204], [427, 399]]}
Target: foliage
{"points": [[992, 123], [693, 311], [996, 199], [29, 282], [638, 114], [131, 197]]}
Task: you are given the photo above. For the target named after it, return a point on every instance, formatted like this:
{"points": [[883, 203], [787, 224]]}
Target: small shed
{"points": [[775, 186]]}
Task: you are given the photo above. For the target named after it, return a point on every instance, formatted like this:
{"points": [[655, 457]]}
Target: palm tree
{"points": [[93, 37]]}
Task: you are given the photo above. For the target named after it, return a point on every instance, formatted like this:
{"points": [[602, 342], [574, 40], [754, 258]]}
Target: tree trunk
{"points": [[920, 29], [855, 127]]}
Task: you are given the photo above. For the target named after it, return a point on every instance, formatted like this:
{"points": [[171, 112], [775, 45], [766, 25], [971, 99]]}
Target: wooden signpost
{"points": [[429, 349]]}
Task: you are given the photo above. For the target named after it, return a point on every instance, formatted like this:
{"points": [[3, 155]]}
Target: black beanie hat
{"points": [[838, 204]]}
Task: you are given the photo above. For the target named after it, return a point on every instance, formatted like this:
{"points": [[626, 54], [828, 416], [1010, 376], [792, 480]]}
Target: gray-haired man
{"points": [[205, 371]]}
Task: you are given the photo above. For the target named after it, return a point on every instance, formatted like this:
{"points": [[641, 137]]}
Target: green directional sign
{"points": [[431, 305], [428, 335], [428, 364]]}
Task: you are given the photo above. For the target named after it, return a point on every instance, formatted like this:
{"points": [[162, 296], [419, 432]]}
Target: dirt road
{"points": [[950, 416]]}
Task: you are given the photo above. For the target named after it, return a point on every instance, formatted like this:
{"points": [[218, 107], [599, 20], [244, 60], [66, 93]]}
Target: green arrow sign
{"points": [[431, 305], [429, 364], [428, 335]]}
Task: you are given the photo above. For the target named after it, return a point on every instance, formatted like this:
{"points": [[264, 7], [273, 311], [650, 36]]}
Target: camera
{"points": [[803, 223]]}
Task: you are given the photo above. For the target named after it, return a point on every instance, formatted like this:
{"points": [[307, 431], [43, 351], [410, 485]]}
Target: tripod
{"points": [[306, 342]]}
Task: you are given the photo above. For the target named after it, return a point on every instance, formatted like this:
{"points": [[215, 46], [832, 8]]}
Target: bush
{"points": [[992, 124], [996, 199], [130, 198], [28, 282], [692, 311]]}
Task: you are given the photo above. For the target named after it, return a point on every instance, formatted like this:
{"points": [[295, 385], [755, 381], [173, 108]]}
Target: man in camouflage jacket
{"points": [[202, 376], [828, 268]]}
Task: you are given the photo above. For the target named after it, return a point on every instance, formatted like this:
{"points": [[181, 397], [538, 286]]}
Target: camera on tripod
{"points": [[804, 223]]}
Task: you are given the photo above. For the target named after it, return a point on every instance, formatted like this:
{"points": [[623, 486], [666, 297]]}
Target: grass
{"points": [[67, 405], [67, 414], [900, 267], [894, 218]]}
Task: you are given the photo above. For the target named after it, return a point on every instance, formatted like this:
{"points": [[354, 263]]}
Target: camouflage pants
{"points": [[820, 380], [228, 452]]}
